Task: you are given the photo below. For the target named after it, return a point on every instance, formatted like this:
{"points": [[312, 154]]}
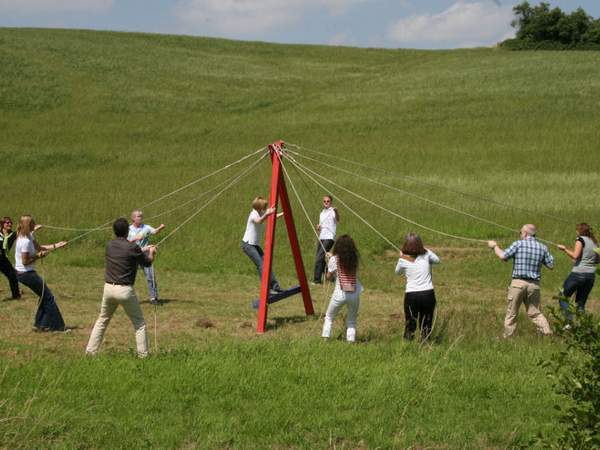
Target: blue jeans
{"points": [[256, 254], [151, 279], [581, 285], [48, 316]]}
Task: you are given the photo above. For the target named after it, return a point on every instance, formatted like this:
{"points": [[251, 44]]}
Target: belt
{"points": [[118, 284], [527, 279]]}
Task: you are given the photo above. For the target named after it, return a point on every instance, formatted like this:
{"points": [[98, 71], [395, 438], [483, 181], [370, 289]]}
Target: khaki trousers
{"points": [[527, 292], [115, 295]]}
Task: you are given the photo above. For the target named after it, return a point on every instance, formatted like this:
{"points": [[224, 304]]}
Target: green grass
{"points": [[95, 124]]}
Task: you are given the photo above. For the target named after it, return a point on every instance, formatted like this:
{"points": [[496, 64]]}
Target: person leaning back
{"points": [[528, 256], [122, 260]]}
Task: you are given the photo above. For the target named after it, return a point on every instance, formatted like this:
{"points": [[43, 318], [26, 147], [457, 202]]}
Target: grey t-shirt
{"points": [[587, 261]]}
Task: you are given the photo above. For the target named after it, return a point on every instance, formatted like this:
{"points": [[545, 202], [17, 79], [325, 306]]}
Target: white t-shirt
{"points": [[418, 272], [253, 229], [144, 230], [338, 293], [24, 245], [328, 223]]}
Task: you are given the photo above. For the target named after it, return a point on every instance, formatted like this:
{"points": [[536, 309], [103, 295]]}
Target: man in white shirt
{"points": [[140, 233], [327, 227]]}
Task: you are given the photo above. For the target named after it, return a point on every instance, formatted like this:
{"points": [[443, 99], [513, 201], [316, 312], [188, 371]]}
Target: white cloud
{"points": [[343, 38], [25, 7], [247, 17], [464, 24]]}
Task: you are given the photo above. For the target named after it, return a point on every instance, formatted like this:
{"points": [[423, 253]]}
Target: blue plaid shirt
{"points": [[529, 255]]}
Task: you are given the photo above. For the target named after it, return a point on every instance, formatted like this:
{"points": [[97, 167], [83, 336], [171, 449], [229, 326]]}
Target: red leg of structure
{"points": [[269, 246], [291, 231], [279, 191]]}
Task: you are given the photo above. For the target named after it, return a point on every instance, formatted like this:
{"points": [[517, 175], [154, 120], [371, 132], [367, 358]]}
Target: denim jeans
{"points": [[581, 285], [256, 254], [48, 316], [151, 279]]}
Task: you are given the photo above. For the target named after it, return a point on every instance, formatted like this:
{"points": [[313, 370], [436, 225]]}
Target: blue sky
{"points": [[365, 23]]}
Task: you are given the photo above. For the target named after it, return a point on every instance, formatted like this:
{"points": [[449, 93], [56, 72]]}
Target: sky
{"points": [[424, 24]]}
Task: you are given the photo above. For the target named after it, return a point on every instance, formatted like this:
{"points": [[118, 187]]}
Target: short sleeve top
{"points": [[24, 245], [253, 229], [143, 230]]}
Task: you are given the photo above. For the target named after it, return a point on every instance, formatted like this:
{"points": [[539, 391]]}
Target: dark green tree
{"points": [[542, 26]]}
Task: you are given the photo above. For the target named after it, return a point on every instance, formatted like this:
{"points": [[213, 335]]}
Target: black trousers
{"points": [[320, 259], [9, 272], [419, 308]]}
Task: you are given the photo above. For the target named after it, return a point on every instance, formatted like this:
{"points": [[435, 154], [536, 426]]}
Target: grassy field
{"points": [[95, 124]]}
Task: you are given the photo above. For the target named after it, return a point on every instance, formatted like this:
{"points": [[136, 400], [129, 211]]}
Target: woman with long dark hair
{"points": [[27, 251], [7, 239], [419, 300], [581, 279], [343, 266]]}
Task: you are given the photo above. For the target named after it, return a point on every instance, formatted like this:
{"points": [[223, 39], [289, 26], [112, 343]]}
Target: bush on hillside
{"points": [[543, 28], [575, 371]]}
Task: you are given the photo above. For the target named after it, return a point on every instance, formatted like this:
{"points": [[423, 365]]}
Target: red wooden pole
{"points": [[269, 241], [293, 237]]}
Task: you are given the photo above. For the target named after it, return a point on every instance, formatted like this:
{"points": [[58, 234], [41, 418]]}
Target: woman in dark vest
{"points": [[7, 239], [581, 279]]}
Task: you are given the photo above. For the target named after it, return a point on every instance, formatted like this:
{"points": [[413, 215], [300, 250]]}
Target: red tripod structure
{"points": [[279, 192]]}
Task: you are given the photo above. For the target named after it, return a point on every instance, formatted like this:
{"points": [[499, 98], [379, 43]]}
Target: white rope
{"points": [[53, 227], [433, 202], [310, 224], [297, 165], [203, 178], [418, 224], [406, 219], [248, 169], [437, 186], [199, 210], [105, 225]]}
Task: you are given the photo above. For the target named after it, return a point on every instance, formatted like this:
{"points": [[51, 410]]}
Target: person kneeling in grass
{"points": [[419, 300], [122, 260], [343, 266], [27, 251], [140, 233]]}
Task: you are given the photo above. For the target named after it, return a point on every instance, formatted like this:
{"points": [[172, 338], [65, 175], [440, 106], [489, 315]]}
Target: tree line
{"points": [[544, 28]]}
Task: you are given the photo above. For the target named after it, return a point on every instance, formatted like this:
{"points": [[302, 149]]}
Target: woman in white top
{"points": [[251, 240], [419, 301], [27, 250], [343, 266]]}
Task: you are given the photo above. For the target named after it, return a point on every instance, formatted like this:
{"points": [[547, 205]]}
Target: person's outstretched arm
{"points": [[158, 229], [574, 254], [433, 258], [499, 252]]}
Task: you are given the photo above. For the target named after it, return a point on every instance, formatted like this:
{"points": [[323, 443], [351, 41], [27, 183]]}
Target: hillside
{"points": [[107, 121]]}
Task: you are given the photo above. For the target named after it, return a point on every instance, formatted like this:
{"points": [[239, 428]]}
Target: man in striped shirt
{"points": [[528, 256]]}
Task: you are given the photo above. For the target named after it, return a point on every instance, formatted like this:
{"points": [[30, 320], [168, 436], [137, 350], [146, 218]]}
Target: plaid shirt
{"points": [[529, 255]]}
